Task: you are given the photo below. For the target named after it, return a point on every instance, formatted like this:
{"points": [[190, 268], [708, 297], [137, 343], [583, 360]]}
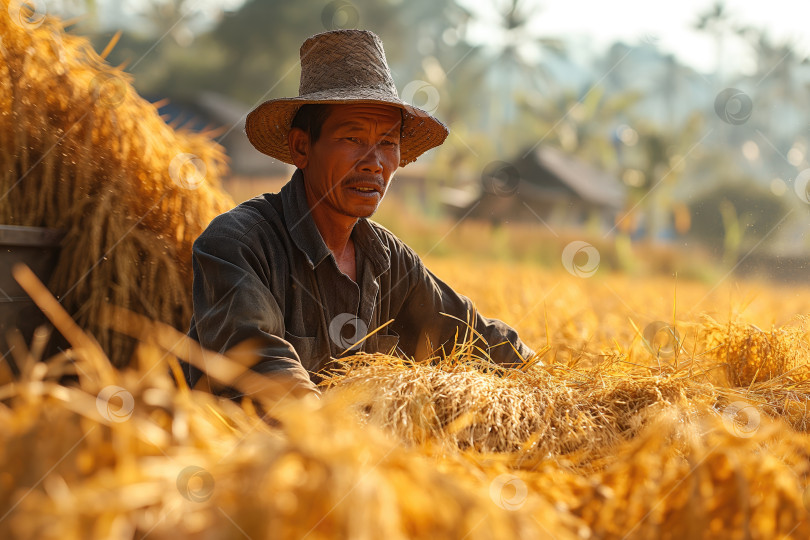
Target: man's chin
{"points": [[362, 210], [365, 213]]}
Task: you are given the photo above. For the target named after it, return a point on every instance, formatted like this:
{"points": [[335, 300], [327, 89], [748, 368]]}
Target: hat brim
{"points": [[268, 124]]}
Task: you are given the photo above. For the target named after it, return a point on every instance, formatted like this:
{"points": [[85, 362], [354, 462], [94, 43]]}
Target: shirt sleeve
{"points": [[442, 316], [233, 305]]}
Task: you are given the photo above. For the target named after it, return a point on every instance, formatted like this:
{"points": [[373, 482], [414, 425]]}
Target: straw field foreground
{"points": [[700, 438]]}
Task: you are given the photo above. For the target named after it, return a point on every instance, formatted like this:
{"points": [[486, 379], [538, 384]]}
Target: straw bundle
{"points": [[82, 152], [534, 412], [752, 355]]}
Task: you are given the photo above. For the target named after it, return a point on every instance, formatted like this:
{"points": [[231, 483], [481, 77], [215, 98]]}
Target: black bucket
{"points": [[38, 248]]}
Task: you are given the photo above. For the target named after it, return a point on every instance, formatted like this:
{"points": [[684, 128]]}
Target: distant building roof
{"points": [[544, 185], [211, 110], [549, 169]]}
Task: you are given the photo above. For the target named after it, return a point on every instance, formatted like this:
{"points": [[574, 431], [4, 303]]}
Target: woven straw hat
{"points": [[342, 66]]}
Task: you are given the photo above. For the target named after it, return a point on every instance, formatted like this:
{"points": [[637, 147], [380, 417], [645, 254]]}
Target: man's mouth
{"points": [[366, 190]]}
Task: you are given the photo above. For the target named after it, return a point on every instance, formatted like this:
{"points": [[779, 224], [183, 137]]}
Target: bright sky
{"points": [[600, 23]]}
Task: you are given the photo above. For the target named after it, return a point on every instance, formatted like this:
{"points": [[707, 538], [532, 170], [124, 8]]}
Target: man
{"points": [[303, 275]]}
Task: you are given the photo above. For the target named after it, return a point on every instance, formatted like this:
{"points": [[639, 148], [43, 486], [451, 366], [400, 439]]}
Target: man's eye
{"points": [[389, 143], [352, 139]]}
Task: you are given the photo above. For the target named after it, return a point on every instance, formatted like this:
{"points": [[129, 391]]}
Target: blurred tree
{"points": [[581, 123], [734, 216], [661, 158], [717, 22], [252, 53], [485, 81], [775, 83], [518, 58]]}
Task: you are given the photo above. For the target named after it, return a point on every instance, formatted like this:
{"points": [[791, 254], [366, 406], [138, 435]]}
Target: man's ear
{"points": [[298, 141]]}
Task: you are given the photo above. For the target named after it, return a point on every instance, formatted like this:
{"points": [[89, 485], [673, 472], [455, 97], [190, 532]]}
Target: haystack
{"points": [[80, 151], [128, 454]]}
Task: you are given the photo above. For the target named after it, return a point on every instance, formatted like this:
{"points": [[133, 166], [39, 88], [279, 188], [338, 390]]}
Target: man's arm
{"points": [[429, 297], [233, 303]]}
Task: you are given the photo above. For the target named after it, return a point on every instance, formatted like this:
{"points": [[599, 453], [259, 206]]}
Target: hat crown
{"points": [[343, 59], [339, 67]]}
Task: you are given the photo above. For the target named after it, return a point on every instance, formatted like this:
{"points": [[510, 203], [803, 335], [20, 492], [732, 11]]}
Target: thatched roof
{"points": [[547, 169], [210, 109]]}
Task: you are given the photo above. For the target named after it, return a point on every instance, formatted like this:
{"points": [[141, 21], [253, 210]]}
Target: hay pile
{"points": [[635, 451], [449, 449], [540, 413], [82, 152], [130, 455]]}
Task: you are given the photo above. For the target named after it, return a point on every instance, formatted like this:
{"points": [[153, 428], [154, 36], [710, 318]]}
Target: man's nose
{"points": [[371, 162]]}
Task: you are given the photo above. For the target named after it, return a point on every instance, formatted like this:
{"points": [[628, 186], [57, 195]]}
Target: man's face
{"points": [[349, 167]]}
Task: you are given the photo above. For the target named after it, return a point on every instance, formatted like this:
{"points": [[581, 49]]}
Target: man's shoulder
{"points": [[388, 238], [244, 218], [395, 245]]}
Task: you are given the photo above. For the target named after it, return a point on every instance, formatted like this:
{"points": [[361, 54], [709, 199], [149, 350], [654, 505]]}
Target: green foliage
{"points": [[735, 215], [252, 54]]}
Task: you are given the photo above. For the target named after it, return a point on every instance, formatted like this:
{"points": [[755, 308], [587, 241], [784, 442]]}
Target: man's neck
{"points": [[336, 233], [335, 228]]}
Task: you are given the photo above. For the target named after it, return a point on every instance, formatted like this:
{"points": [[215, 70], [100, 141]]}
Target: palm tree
{"points": [[517, 53], [775, 83], [717, 22], [582, 124]]}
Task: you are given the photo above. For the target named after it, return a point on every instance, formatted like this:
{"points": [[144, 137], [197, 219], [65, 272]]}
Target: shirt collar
{"points": [[308, 239], [371, 247], [300, 224]]}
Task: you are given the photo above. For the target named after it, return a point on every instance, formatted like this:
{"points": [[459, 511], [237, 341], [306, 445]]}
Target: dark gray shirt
{"points": [[262, 272]]}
